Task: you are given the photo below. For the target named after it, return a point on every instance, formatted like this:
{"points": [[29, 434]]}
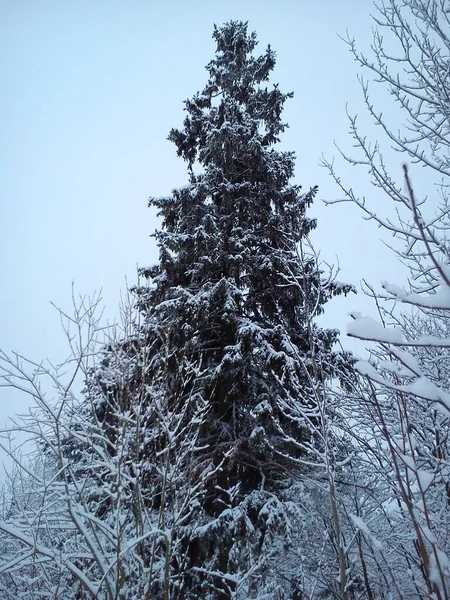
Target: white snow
{"points": [[425, 479], [439, 300], [366, 328], [361, 525]]}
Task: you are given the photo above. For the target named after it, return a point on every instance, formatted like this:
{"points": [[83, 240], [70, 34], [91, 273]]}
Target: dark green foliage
{"points": [[187, 470], [233, 300]]}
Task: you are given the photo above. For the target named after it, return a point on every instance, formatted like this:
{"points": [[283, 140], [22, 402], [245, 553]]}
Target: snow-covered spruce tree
{"points": [[231, 310]]}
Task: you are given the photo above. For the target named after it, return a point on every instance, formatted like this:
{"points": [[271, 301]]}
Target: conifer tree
{"points": [[177, 475], [231, 307]]}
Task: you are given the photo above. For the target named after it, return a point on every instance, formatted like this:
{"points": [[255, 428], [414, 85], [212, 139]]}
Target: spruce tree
{"points": [[177, 476], [230, 312]]}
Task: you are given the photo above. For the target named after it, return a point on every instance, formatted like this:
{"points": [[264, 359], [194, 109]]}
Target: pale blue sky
{"points": [[90, 90]]}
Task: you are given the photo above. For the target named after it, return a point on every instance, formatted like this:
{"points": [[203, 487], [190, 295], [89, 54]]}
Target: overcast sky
{"points": [[90, 90]]}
